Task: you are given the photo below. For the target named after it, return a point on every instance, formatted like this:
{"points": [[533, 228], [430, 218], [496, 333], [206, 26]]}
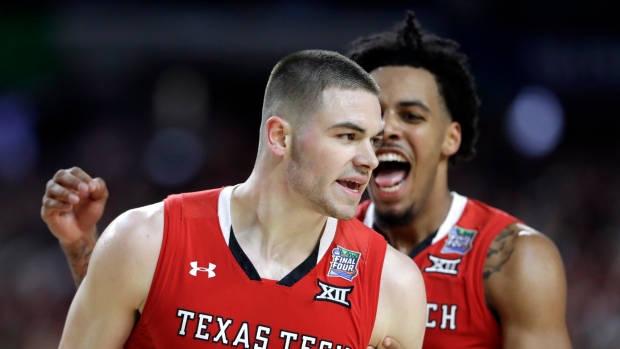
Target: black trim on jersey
{"points": [[422, 245], [242, 258], [418, 248], [289, 280], [302, 270]]}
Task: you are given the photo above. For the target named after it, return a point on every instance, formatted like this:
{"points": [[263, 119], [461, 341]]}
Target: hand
{"points": [[389, 343], [73, 204]]}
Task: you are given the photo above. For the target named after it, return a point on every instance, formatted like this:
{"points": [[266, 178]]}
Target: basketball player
{"points": [[224, 268], [491, 281]]}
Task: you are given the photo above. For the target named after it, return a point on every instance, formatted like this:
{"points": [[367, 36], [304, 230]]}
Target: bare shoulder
{"points": [[129, 248], [401, 313], [525, 284], [121, 269], [137, 227], [400, 272], [522, 244]]}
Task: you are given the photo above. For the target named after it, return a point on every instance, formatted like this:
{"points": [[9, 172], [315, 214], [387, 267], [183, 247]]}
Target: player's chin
{"points": [[389, 207], [344, 212], [392, 215]]}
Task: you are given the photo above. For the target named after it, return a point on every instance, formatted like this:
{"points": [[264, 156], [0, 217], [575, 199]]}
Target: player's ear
{"points": [[277, 131], [452, 139]]}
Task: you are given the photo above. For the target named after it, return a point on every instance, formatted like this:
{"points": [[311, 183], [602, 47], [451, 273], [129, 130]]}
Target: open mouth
{"points": [[390, 175], [353, 186]]}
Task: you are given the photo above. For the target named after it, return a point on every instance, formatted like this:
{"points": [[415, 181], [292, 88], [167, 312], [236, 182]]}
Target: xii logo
{"points": [[334, 294], [443, 266]]}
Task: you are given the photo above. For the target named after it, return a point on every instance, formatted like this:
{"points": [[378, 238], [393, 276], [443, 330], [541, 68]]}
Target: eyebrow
{"points": [[414, 103], [354, 127]]}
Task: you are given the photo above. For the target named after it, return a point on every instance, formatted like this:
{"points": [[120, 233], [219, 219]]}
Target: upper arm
{"points": [[123, 262], [525, 283], [401, 312]]}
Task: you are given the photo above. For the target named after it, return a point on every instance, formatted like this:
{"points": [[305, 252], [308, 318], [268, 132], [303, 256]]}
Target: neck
{"points": [[274, 226], [425, 223]]}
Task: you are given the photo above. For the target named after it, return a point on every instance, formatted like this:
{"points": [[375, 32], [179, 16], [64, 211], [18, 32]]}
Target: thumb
{"points": [[390, 343]]}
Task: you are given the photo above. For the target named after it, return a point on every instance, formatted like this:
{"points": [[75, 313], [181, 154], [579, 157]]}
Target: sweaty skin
{"points": [[123, 263], [524, 278], [63, 214], [72, 205]]}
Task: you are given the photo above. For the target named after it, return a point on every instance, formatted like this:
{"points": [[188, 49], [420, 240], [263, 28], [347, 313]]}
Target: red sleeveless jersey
{"points": [[452, 266], [206, 293]]}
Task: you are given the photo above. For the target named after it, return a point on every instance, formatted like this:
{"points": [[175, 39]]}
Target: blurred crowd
{"points": [[154, 125], [573, 198]]}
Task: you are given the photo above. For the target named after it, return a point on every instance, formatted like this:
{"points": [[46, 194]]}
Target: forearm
{"points": [[78, 255]]}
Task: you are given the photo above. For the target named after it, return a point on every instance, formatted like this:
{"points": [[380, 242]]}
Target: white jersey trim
{"points": [[456, 211], [369, 219], [223, 213], [328, 236]]}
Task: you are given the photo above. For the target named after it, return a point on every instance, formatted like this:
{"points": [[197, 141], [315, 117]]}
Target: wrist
{"points": [[87, 239]]}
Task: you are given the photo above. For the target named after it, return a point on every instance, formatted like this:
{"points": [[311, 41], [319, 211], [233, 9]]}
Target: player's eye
{"points": [[347, 136], [410, 117]]}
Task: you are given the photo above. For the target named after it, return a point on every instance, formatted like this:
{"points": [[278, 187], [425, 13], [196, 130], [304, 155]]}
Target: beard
{"points": [[393, 219], [301, 179]]}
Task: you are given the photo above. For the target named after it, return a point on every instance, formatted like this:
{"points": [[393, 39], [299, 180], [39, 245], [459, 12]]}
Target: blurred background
{"points": [[165, 97]]}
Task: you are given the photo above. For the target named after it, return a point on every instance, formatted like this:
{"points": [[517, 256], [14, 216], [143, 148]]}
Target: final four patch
{"points": [[459, 240], [344, 263]]}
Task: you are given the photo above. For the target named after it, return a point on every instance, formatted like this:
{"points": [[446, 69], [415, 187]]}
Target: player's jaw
{"points": [[393, 178], [345, 193], [337, 196]]}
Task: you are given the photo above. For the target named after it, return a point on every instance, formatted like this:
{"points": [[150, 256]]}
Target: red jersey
{"points": [[206, 292], [452, 265]]}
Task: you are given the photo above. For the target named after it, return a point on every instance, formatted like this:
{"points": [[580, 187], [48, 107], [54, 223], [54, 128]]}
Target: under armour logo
{"points": [[443, 266], [334, 294], [196, 269]]}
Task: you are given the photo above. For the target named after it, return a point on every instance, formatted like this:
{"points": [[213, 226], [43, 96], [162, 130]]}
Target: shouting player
{"points": [[276, 261]]}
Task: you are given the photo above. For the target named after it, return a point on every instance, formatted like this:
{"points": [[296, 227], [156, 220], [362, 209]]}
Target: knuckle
{"points": [[75, 170]]}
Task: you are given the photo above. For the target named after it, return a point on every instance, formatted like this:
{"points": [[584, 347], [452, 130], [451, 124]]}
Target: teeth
{"points": [[391, 157], [393, 188]]}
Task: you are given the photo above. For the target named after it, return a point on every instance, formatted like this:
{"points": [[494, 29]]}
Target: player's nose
{"points": [[366, 157], [391, 128]]}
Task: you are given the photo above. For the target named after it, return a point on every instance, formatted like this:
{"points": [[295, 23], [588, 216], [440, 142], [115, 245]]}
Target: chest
{"points": [[206, 290]]}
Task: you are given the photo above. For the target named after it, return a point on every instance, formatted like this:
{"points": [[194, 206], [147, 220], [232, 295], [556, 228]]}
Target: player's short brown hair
{"points": [[296, 83]]}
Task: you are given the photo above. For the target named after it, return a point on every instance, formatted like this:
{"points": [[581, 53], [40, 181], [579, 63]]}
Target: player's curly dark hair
{"points": [[407, 44]]}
